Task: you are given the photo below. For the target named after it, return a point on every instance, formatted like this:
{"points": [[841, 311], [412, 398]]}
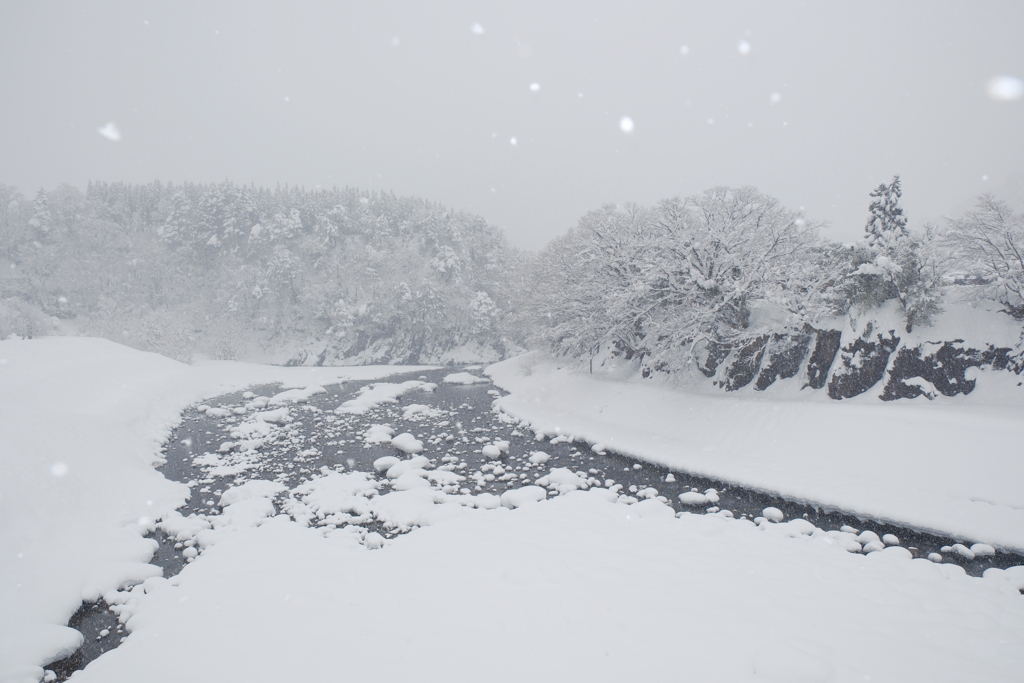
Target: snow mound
{"points": [[182, 528], [415, 412], [246, 513], [338, 492], [539, 457], [407, 443], [378, 434], [373, 395], [385, 463], [693, 498], [410, 479], [563, 480], [418, 462], [255, 488], [652, 507], [464, 378], [297, 395], [415, 507], [279, 416], [519, 497]]}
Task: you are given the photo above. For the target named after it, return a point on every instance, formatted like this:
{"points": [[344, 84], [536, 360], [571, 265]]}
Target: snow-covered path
{"points": [[581, 586]]}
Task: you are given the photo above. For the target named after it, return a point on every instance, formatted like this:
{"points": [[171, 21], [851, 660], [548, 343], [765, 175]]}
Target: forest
{"points": [[345, 276]]}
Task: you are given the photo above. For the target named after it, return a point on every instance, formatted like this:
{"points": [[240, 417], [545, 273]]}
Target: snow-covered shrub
{"points": [[23, 319]]}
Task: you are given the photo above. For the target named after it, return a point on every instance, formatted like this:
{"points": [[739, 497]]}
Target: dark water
{"points": [[461, 422]]}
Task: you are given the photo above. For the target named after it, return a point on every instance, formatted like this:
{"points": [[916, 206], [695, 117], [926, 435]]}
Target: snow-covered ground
{"points": [[578, 587]]}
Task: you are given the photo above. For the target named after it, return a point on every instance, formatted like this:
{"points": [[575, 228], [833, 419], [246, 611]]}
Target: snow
{"points": [[418, 462], [381, 434], [82, 421], [256, 488], [566, 584], [809, 611], [338, 492], [416, 412], [539, 457], [521, 496], [383, 392], [563, 480], [693, 498], [297, 395], [464, 378], [947, 465], [407, 443], [385, 463]]}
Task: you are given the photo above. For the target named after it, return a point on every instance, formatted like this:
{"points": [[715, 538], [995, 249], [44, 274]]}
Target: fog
{"points": [[516, 112]]}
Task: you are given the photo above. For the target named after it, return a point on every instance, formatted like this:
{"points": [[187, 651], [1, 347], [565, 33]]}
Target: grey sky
{"points": [[406, 97]]}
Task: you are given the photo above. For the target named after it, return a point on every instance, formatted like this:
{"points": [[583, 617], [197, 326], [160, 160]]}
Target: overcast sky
{"points": [[815, 103]]}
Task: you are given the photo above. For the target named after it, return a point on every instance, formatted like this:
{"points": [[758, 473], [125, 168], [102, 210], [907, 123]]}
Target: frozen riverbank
{"points": [[951, 466]]}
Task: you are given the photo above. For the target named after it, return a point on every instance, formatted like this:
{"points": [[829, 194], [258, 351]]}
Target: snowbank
{"points": [[81, 423], [950, 465]]}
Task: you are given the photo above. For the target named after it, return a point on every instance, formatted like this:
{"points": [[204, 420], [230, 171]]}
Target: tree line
{"points": [[372, 277], [226, 270]]}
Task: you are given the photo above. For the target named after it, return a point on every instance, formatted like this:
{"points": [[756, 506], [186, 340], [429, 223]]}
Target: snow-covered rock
{"points": [[693, 498], [378, 434], [407, 443], [418, 462], [526, 494], [254, 488], [464, 378]]}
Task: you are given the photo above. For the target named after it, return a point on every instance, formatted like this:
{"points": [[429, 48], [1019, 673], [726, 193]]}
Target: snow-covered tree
{"points": [[41, 219], [896, 264], [719, 266], [989, 246], [283, 266]]}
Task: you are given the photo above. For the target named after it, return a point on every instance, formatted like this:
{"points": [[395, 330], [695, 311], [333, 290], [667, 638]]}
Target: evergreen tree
{"points": [[887, 221], [895, 264], [41, 219]]}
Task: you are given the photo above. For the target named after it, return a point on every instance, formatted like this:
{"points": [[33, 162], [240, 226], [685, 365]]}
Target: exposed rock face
{"points": [[873, 361], [745, 363], [826, 346], [936, 368], [862, 365], [785, 356], [716, 353]]}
